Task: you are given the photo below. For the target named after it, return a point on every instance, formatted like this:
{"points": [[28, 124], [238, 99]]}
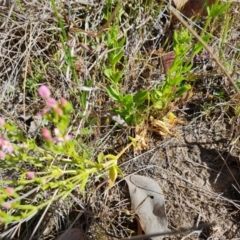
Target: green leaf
{"points": [[108, 73], [117, 58], [84, 181], [111, 156], [100, 157], [113, 93], [119, 170], [140, 97], [158, 105], [86, 131], [216, 9], [67, 108], [92, 121], [159, 93], [113, 172], [183, 89], [116, 76], [127, 101]]}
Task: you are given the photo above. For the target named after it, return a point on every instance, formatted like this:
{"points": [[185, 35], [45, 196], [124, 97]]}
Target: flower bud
{"points": [[56, 131], [63, 102], [30, 175], [44, 92], [46, 134], [68, 137], [7, 146], [10, 190], [59, 111], [7, 205], [51, 102]]}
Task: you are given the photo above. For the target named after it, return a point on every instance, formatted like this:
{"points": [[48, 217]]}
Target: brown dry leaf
{"points": [[179, 3], [147, 201], [167, 60], [196, 7], [141, 138], [164, 127], [161, 127], [72, 234]]}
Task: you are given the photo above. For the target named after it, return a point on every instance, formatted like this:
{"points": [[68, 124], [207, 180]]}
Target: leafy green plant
{"points": [[176, 83], [115, 53], [54, 166], [133, 107]]}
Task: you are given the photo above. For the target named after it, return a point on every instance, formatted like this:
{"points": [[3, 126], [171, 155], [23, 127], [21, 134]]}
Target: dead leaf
{"points": [[193, 8], [167, 60], [179, 3], [161, 127], [147, 201], [141, 138], [72, 234]]}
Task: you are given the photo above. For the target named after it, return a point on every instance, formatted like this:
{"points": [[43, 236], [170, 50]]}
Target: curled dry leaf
{"points": [[147, 201], [71, 234], [167, 60], [161, 127], [192, 8], [164, 127], [141, 138]]}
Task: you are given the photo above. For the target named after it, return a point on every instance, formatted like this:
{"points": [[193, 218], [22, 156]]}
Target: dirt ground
{"points": [[198, 168], [198, 172]]}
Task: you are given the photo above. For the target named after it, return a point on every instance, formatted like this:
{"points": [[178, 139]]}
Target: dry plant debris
{"points": [[194, 159], [148, 203]]}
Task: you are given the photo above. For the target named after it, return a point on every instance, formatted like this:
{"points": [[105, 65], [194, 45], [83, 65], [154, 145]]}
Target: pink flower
{"points": [[63, 102], [7, 205], [68, 137], [56, 131], [30, 175], [2, 155], [44, 92], [2, 122], [10, 190], [7, 146], [46, 134], [51, 102], [59, 111]]}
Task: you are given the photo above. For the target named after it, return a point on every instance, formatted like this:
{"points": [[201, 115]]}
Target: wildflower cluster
{"points": [[45, 93], [12, 156], [57, 162], [61, 110]]}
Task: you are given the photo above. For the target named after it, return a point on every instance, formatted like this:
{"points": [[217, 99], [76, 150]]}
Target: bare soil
{"points": [[198, 169]]}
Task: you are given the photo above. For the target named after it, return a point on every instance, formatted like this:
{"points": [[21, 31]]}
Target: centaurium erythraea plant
{"points": [[55, 163]]}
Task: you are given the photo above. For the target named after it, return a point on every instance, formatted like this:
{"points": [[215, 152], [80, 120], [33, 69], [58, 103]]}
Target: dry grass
{"points": [[191, 168]]}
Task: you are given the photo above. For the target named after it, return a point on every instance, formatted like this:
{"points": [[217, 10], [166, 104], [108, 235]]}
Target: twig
{"points": [[215, 58], [185, 230]]}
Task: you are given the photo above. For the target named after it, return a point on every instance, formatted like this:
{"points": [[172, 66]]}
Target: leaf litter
{"points": [[148, 203], [198, 170]]}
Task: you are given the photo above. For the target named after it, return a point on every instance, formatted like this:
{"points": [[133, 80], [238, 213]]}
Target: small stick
{"points": [[200, 227], [220, 65]]}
